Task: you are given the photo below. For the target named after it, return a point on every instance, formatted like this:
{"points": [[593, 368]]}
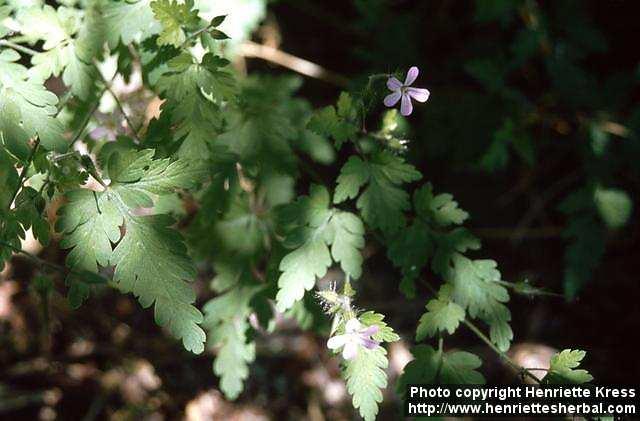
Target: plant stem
{"points": [[87, 118], [107, 85], [62, 102], [23, 173], [505, 357], [18, 47], [43, 263], [34, 258], [483, 337], [195, 34]]}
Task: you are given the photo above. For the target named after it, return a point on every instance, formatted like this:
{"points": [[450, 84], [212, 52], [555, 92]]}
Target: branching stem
{"points": [[518, 368], [133, 128], [475, 329]]}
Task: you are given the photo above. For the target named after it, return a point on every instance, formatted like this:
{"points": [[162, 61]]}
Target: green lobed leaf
{"points": [[385, 332], [366, 378], [150, 258], [129, 22], [194, 92], [410, 250], [442, 315], [441, 209], [175, 18], [475, 288], [336, 123], [382, 203], [27, 109], [347, 242], [563, 368], [431, 366], [311, 228], [226, 319], [151, 262], [72, 39], [449, 244]]}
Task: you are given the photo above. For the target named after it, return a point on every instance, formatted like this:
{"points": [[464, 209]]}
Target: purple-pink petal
{"points": [[369, 343], [419, 94], [412, 75], [406, 107], [393, 84], [370, 331], [391, 99]]}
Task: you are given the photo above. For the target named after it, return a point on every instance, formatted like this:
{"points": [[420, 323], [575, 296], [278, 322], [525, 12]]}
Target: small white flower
{"points": [[405, 92], [355, 335]]}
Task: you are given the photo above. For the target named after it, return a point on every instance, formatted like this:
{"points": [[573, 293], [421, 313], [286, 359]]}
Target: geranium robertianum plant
{"points": [[234, 146]]}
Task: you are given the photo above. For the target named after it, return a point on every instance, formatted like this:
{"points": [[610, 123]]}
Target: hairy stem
{"points": [[521, 370], [475, 329]]}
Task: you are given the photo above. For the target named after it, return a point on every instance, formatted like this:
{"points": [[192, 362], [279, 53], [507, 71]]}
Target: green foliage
{"points": [[365, 374], [27, 109], [472, 285], [382, 203], [336, 123], [26, 214], [72, 39], [226, 320], [27, 211], [442, 314], [385, 332], [193, 91], [151, 262], [441, 209], [175, 18], [8, 178], [432, 366], [410, 250], [129, 22], [412, 247], [150, 258], [312, 226], [475, 286], [563, 368], [365, 378], [263, 130], [614, 206]]}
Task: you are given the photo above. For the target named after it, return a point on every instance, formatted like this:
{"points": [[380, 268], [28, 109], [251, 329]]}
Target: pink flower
{"points": [[405, 91], [355, 335]]}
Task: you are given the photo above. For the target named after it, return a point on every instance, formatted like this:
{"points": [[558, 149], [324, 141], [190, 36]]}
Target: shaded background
{"points": [[531, 102]]}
